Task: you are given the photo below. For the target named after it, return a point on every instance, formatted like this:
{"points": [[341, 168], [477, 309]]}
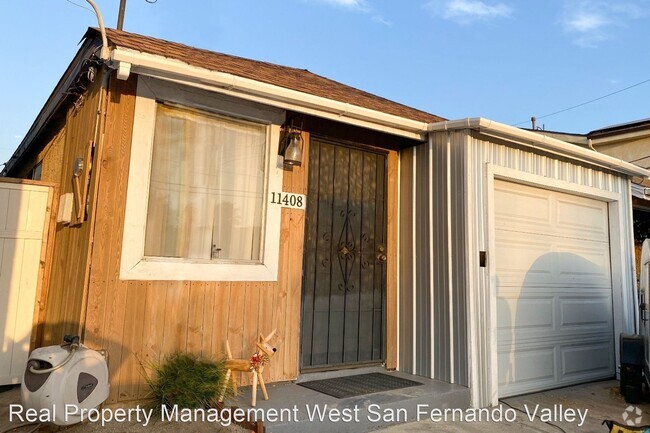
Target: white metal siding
{"points": [[433, 302], [554, 289], [22, 220], [455, 206], [484, 152]]}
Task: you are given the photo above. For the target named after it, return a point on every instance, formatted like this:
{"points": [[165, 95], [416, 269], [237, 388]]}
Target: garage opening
{"points": [[554, 289]]}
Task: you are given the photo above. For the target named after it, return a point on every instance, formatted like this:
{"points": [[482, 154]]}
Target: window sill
{"points": [[160, 270]]}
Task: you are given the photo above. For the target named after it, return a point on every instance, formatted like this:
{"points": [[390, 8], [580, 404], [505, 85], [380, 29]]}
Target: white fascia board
{"points": [[541, 141], [615, 138], [163, 67]]}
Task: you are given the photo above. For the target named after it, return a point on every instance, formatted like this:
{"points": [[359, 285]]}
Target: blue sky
{"points": [[501, 59]]}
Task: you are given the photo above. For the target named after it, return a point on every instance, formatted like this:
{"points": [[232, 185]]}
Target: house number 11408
{"points": [[290, 200]]}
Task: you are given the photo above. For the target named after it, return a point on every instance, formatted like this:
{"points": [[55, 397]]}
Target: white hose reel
{"points": [[65, 379]]}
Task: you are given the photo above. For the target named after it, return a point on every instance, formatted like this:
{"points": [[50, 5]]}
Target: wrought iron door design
{"points": [[344, 284]]}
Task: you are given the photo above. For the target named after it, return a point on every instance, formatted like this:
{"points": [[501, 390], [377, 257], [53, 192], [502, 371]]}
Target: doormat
{"points": [[352, 386]]}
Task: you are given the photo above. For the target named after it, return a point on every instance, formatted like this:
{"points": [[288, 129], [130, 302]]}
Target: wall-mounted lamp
{"points": [[292, 145]]}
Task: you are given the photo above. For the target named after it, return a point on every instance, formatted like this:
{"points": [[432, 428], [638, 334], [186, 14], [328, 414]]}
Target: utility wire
{"points": [[585, 103], [80, 6]]}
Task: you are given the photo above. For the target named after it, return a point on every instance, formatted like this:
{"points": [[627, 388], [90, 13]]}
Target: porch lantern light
{"points": [[292, 146], [293, 151]]}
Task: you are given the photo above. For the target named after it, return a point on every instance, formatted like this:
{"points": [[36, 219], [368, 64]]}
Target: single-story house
{"points": [[467, 251]]}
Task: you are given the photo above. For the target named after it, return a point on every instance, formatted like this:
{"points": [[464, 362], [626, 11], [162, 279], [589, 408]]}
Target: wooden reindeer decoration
{"points": [[254, 365]]}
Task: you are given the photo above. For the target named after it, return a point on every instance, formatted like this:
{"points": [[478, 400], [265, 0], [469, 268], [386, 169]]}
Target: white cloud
{"points": [[593, 21], [468, 11], [361, 6], [585, 21], [381, 20], [349, 4]]}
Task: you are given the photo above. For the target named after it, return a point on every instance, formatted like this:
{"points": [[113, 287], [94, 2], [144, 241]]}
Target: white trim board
{"points": [[549, 144]]}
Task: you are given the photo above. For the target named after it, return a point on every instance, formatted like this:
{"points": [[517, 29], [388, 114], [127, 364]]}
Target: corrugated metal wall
{"points": [[433, 301], [443, 226]]}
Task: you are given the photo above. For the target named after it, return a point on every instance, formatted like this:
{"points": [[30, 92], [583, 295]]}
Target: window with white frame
{"points": [[206, 194], [200, 174]]}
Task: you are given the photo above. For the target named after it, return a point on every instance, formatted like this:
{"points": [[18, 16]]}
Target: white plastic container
{"points": [[80, 381]]}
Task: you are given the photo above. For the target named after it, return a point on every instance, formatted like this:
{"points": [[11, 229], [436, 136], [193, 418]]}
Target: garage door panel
{"points": [[529, 260], [534, 210], [587, 219], [554, 291], [527, 366], [516, 255], [586, 312], [522, 209], [539, 313], [591, 359]]}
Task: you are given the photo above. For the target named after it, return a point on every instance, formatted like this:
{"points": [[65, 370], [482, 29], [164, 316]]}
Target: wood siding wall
{"points": [[140, 322], [64, 297], [51, 156]]}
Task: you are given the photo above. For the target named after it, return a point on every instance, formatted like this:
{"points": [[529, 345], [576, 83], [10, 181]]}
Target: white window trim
{"points": [[133, 264]]}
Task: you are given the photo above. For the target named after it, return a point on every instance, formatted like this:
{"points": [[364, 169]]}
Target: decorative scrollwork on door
{"points": [[347, 253]]}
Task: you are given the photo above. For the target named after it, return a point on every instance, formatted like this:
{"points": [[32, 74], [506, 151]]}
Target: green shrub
{"points": [[187, 381]]}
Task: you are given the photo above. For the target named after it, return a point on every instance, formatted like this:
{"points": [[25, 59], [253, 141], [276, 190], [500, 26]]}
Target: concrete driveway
{"points": [[599, 400]]}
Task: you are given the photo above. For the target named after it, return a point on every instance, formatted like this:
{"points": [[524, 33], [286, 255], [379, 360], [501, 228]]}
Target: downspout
{"points": [[591, 145]]}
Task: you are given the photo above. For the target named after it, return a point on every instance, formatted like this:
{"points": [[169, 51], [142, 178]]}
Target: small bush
{"points": [[187, 381]]}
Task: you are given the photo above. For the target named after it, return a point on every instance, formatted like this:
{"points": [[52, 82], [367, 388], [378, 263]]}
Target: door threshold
{"points": [[310, 375]]}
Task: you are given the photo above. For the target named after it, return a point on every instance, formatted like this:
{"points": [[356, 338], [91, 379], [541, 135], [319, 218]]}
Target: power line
{"points": [[585, 103], [80, 6]]}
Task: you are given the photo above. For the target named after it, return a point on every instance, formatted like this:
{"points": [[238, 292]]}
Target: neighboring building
{"points": [[465, 251], [628, 142]]}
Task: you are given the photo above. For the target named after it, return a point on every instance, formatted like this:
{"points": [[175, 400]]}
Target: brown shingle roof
{"points": [[283, 76]]}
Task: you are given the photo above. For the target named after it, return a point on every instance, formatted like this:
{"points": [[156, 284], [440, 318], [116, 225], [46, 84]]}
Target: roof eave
{"points": [[541, 141], [176, 70]]}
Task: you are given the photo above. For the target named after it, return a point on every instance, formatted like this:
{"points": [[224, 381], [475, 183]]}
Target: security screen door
{"points": [[344, 284]]}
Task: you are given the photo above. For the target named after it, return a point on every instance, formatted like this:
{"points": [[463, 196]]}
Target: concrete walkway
{"points": [[355, 414], [601, 400]]}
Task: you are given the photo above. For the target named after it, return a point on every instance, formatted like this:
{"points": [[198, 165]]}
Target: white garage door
{"points": [[554, 289]]}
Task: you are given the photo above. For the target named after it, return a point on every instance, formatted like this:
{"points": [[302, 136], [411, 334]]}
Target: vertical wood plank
{"points": [[236, 318], [298, 184], [251, 317], [221, 317], [114, 333], [196, 303], [176, 314], [391, 263], [208, 313], [153, 325], [45, 268], [132, 341]]}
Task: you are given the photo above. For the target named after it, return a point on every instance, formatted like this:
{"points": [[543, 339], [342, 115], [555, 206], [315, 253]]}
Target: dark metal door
{"points": [[344, 284]]}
